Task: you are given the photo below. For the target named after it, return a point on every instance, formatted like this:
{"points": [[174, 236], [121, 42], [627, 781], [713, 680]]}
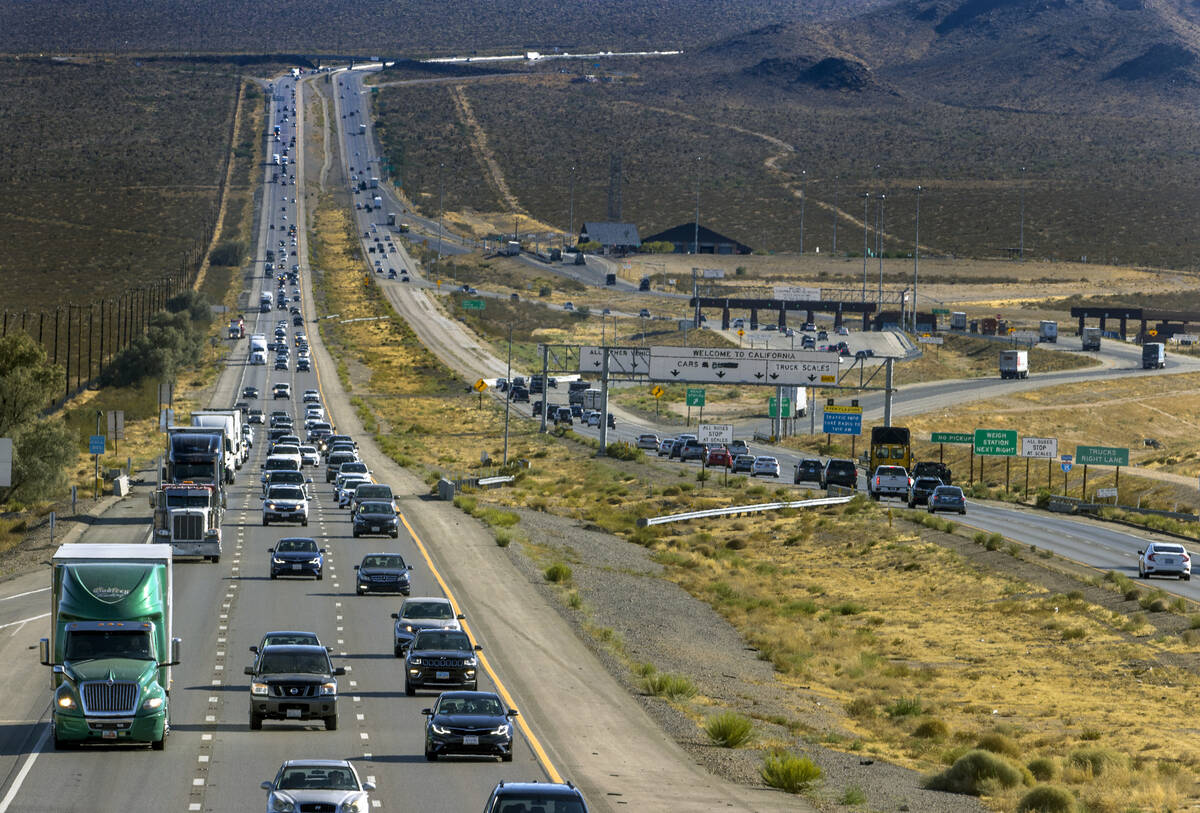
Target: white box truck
{"points": [[1014, 363], [231, 420], [1048, 331], [1091, 338], [958, 321]]}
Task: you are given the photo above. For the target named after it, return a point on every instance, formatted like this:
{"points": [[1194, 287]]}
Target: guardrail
{"points": [[499, 480], [736, 510]]}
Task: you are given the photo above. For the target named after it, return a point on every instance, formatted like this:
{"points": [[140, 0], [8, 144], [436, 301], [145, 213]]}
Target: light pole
{"points": [[836, 179], [508, 393], [441, 203], [916, 256], [879, 248], [1021, 248], [803, 195], [866, 203], [571, 210], [696, 234]]}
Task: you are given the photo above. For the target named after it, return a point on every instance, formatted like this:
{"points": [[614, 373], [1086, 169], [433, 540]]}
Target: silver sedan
{"points": [[323, 784]]}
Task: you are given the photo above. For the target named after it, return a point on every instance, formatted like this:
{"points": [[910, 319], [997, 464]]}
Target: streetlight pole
{"points": [[696, 234], [836, 179], [879, 248], [916, 257], [571, 210], [508, 393], [803, 196], [866, 203], [1022, 232], [441, 203]]}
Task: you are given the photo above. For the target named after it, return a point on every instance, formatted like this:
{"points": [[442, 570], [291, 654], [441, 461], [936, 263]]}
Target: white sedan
{"points": [[309, 456], [766, 466]]}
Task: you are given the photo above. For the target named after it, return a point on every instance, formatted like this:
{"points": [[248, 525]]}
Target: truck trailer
{"points": [[1091, 338], [1154, 356], [1048, 331], [231, 421], [187, 516], [1014, 364], [111, 644]]}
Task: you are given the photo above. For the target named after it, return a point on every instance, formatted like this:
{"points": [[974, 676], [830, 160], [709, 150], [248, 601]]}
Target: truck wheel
{"points": [[159, 744], [216, 560], [331, 723], [255, 722]]}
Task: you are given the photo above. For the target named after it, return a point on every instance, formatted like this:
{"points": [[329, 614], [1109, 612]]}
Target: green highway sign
{"points": [[1101, 456], [695, 396], [773, 407], [952, 437], [473, 304], [996, 442], [941, 311]]}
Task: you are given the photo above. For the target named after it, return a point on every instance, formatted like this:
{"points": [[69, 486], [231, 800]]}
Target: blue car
{"points": [[297, 556], [469, 723], [947, 498]]}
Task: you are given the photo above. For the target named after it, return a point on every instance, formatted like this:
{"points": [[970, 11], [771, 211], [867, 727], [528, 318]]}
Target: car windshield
{"points": [[354, 468], [285, 493], [428, 609], [442, 639], [311, 663], [280, 464], [317, 779], [187, 500], [543, 804], [296, 546], [290, 638], [393, 561], [489, 706], [285, 448], [85, 645], [376, 508]]}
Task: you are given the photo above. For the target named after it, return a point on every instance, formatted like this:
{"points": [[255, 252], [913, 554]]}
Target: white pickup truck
{"points": [[889, 481]]}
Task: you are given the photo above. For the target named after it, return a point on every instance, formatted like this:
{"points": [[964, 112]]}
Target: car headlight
{"points": [[279, 804], [358, 805], [315, 561], [258, 688], [152, 703], [502, 731], [469, 662], [437, 729], [270, 506], [409, 628], [414, 661], [275, 560], [66, 700], [329, 688]]}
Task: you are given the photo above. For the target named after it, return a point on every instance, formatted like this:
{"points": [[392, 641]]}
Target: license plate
{"points": [[109, 735], [470, 740], [295, 567], [1169, 560], [442, 676], [374, 529], [293, 712]]}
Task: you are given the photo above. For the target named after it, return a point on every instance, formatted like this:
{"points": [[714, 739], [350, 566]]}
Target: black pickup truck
{"points": [[931, 469]]}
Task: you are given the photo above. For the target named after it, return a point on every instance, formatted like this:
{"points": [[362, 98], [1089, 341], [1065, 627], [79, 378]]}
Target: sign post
{"points": [[6, 458], [695, 398], [657, 392], [1040, 448], [480, 386], [1101, 456], [1067, 464], [96, 445]]}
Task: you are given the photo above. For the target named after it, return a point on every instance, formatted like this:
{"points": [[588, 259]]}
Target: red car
{"points": [[719, 457]]}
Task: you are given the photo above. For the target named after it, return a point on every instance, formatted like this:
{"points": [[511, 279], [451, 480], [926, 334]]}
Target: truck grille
{"points": [[189, 527], [294, 689], [104, 697]]}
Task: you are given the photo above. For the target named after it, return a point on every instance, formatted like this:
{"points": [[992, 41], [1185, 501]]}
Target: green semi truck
{"points": [[111, 646]]}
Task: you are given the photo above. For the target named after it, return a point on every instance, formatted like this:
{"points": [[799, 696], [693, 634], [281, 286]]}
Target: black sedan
{"points": [[469, 723], [383, 572], [250, 392], [376, 517], [297, 556]]}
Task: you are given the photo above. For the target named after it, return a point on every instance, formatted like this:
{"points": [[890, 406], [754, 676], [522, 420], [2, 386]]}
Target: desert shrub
{"points": [[622, 450], [1133, 594], [932, 729], [993, 542], [559, 572], [1096, 760], [1047, 799], [465, 503], [1044, 769], [1159, 605], [853, 795], [789, 772], [729, 729], [575, 601], [999, 744], [1091, 734], [672, 687], [1074, 634], [847, 608], [861, 707], [906, 707], [974, 772], [503, 538]]}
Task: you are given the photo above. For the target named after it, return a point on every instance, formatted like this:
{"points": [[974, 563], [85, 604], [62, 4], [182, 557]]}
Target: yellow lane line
{"points": [[534, 743]]}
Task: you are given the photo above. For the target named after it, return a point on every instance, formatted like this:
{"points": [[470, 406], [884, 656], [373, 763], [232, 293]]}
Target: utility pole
{"points": [[866, 203], [916, 257], [696, 237], [1022, 232], [545, 383], [879, 248], [571, 214], [441, 203], [508, 393], [836, 179], [803, 195], [603, 450]]}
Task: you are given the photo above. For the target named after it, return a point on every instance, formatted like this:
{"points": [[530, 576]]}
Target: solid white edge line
{"points": [[24, 621], [15, 787], [26, 593]]}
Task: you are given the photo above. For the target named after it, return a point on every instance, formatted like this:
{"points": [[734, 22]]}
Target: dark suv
{"points": [[509, 797], [922, 487], [808, 471], [839, 473], [293, 683], [441, 659]]}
